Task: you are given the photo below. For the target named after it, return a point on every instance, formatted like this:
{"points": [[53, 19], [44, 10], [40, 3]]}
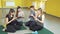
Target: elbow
{"points": [[42, 21]]}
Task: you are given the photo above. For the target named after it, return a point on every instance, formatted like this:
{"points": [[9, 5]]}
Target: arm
{"points": [[42, 19], [7, 22], [35, 17], [23, 14]]}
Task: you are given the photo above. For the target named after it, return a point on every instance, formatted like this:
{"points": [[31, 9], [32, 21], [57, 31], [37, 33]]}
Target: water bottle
{"points": [[35, 32]]}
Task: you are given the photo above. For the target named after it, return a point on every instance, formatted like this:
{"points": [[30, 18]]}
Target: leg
{"points": [[10, 28]]}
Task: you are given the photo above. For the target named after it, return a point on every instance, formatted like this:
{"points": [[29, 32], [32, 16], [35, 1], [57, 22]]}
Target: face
{"points": [[13, 13], [32, 8], [19, 9], [39, 11]]}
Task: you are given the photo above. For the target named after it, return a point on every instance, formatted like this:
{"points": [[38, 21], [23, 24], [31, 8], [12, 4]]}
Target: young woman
{"points": [[20, 15], [11, 23], [40, 16], [39, 19], [32, 13]]}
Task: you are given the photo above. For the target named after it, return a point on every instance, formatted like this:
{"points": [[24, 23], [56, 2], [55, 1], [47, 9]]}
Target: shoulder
{"points": [[7, 16]]}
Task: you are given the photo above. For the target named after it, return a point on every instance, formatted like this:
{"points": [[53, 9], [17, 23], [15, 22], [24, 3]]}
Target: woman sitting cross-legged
{"points": [[31, 19], [37, 23], [20, 16], [11, 23]]}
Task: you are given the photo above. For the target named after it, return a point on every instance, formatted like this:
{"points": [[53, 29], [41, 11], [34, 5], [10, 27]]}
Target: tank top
{"points": [[39, 23], [20, 15], [40, 17], [9, 17], [32, 12]]}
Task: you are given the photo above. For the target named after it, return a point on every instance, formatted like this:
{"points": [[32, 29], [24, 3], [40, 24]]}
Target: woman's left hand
{"points": [[36, 19], [14, 18]]}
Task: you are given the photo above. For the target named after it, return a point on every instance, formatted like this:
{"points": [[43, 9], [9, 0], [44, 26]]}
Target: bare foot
{"points": [[4, 29]]}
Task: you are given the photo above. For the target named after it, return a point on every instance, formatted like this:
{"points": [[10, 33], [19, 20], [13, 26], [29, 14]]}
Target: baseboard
{"points": [[52, 15]]}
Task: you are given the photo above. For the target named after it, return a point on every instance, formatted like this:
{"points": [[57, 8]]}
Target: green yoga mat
{"points": [[43, 31], [1, 27], [1, 32], [23, 28]]}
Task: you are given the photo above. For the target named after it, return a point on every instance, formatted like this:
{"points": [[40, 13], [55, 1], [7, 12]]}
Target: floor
{"points": [[51, 23]]}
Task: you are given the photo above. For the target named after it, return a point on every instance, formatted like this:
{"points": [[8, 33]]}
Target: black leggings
{"points": [[13, 26], [34, 26]]}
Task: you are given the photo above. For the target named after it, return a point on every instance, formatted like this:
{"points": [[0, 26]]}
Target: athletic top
{"points": [[31, 17], [9, 17], [20, 15], [40, 17]]}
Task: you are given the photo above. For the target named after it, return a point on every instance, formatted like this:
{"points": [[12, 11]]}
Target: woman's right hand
{"points": [[14, 18]]}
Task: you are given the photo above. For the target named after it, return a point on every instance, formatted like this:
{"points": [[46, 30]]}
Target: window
{"points": [[10, 4]]}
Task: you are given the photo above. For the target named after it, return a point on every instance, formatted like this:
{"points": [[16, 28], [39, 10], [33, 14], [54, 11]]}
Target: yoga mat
{"points": [[1, 32], [23, 28], [43, 31]]}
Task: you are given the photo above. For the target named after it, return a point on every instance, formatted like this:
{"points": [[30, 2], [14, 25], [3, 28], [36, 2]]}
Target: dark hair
{"points": [[31, 6], [17, 10], [40, 10], [18, 7], [11, 11]]}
